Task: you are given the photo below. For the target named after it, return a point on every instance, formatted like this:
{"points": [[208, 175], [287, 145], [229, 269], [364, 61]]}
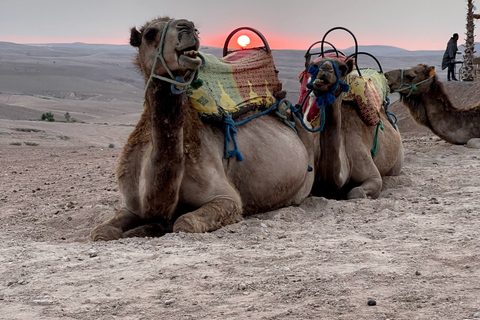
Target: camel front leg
{"points": [[209, 217], [114, 228]]}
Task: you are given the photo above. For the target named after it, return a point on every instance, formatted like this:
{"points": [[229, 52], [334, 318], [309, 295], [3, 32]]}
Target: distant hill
{"points": [[80, 47]]}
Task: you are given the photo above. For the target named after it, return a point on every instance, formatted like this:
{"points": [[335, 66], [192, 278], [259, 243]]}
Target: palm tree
{"points": [[468, 74]]}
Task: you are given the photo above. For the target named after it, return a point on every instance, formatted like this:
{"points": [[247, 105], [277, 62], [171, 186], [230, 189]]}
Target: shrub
{"points": [[48, 116]]}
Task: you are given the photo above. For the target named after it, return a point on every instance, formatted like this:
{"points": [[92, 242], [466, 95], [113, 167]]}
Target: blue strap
{"points": [[230, 129], [392, 118]]}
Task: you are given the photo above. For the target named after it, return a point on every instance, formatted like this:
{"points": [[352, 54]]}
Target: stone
{"points": [[474, 143]]}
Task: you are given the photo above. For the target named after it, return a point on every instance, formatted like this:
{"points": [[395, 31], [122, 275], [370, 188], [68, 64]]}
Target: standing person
{"points": [[449, 57]]}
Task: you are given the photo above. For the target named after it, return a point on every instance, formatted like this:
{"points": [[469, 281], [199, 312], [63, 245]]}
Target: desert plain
{"points": [[415, 250]]}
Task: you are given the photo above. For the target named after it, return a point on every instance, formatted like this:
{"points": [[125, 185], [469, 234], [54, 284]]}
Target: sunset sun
{"points": [[243, 40]]}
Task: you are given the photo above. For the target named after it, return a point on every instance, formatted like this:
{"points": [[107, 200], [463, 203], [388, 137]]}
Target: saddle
{"points": [[241, 81], [369, 93]]}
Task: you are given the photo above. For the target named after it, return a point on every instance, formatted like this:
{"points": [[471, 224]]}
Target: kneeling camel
{"points": [[430, 106], [172, 173], [344, 163]]}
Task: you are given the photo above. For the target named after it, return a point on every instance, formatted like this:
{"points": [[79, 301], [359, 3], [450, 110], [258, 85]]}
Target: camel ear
{"points": [[135, 38], [350, 65], [431, 71]]}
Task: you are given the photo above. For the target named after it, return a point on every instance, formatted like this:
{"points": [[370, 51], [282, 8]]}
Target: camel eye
{"points": [[151, 35], [410, 77]]}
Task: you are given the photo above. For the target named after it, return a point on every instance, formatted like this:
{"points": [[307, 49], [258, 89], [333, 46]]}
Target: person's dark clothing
{"points": [[449, 58]]}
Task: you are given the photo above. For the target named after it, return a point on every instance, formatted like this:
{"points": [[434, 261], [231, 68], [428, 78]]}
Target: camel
{"points": [[429, 104], [172, 173], [344, 164]]}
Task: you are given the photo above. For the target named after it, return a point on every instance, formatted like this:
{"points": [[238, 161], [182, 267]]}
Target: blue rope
{"points": [[230, 129], [298, 113], [328, 98], [391, 115]]}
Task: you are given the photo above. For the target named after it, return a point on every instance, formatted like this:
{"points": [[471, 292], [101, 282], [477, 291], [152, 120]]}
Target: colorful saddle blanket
{"points": [[369, 92], [241, 81]]}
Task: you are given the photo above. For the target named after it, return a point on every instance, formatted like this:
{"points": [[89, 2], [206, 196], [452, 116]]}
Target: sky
{"points": [[286, 24]]}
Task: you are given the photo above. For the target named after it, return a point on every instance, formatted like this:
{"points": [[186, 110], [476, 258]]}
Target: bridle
{"points": [[178, 84], [413, 86]]}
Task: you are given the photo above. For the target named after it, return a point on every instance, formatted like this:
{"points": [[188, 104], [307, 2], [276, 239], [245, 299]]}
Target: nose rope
{"points": [[178, 81], [412, 87]]}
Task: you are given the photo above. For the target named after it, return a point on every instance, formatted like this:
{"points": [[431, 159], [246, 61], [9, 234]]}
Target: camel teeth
{"points": [[191, 53]]}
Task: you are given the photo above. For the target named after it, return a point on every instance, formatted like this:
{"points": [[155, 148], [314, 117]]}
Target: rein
{"points": [[412, 87], [178, 84]]}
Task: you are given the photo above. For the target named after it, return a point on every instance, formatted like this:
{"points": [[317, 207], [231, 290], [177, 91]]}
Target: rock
{"points": [[169, 302], [476, 315], [474, 143], [43, 302], [92, 253], [372, 302]]}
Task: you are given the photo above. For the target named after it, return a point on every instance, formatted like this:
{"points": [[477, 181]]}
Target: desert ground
{"points": [[415, 251]]}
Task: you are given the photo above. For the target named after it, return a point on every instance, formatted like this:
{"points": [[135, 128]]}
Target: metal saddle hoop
{"points": [[266, 47], [322, 53]]}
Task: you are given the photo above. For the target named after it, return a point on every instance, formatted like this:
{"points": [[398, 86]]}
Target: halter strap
{"points": [[412, 87], [178, 81]]}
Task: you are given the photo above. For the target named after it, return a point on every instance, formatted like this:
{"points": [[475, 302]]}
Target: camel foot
{"points": [[356, 193], [148, 230], [105, 232], [184, 224]]}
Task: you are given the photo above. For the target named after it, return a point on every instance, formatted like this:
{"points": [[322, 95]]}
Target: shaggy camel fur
{"points": [[344, 166], [428, 103], [172, 173]]}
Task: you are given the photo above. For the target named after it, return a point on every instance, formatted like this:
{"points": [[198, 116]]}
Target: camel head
{"points": [[327, 77], [411, 81], [179, 47]]}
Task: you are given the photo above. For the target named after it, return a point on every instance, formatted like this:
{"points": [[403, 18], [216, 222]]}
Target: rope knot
{"points": [[229, 128]]}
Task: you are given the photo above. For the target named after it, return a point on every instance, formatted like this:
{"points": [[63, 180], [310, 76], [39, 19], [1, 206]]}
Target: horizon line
{"points": [[206, 45]]}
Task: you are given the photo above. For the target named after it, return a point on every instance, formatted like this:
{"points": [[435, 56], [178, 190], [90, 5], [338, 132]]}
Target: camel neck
{"points": [[332, 145]]}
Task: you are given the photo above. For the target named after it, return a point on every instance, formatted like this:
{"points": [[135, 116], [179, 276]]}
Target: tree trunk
{"points": [[468, 74]]}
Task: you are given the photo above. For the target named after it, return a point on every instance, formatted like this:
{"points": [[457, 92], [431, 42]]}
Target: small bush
{"points": [[16, 144], [48, 117], [67, 117], [111, 145], [31, 144]]}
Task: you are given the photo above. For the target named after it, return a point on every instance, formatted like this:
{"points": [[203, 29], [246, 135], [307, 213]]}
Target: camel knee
{"points": [[210, 217]]}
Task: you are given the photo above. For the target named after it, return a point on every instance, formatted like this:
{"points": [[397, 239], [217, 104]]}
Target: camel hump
{"points": [[369, 92]]}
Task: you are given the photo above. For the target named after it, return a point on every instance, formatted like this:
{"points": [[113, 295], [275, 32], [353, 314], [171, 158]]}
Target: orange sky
{"points": [[407, 24]]}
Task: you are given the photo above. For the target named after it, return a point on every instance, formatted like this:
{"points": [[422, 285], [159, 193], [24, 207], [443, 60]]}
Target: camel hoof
{"points": [[105, 233], [356, 193], [184, 224]]}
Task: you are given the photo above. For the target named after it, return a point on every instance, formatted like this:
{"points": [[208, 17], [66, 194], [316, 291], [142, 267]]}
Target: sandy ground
{"points": [[415, 251]]}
